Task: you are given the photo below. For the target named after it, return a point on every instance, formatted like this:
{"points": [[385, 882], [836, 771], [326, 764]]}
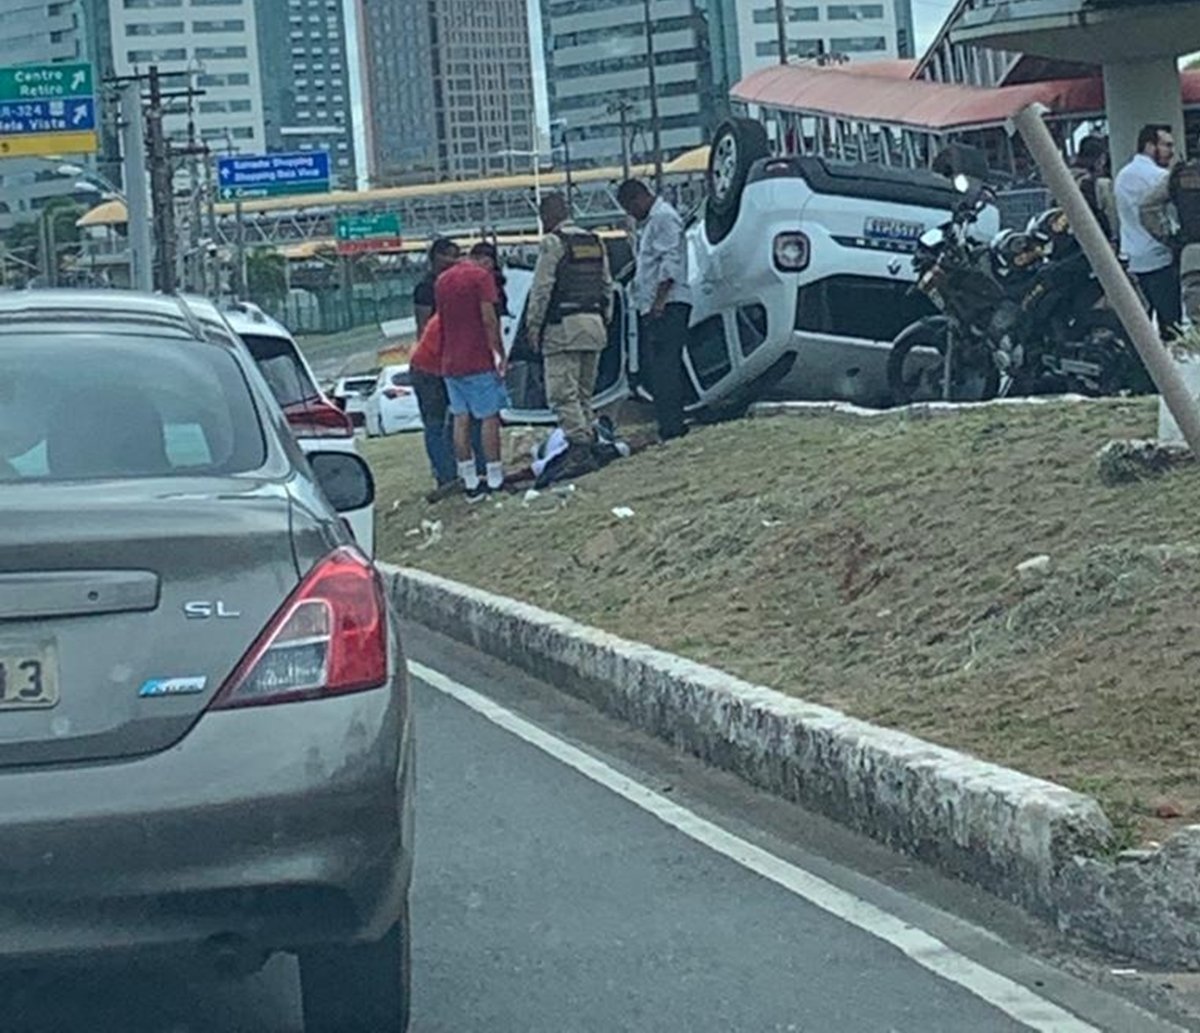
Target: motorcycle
{"points": [[1020, 314]]}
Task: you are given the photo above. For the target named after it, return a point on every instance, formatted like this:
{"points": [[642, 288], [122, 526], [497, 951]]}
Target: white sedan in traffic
{"points": [[392, 405]]}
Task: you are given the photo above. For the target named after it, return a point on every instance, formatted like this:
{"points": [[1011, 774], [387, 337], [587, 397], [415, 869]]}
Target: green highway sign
{"points": [[371, 231], [46, 82], [363, 227]]}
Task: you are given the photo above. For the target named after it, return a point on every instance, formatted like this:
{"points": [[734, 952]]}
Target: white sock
{"points": [[466, 471], [495, 476]]}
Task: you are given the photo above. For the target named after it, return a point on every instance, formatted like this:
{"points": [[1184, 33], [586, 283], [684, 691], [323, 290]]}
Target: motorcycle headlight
{"points": [[791, 252]]}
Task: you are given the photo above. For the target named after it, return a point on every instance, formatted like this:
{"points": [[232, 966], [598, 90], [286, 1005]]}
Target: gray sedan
{"points": [[204, 724]]}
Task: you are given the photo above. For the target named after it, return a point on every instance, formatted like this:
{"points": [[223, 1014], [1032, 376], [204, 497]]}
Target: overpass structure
{"points": [[503, 205], [1136, 43]]}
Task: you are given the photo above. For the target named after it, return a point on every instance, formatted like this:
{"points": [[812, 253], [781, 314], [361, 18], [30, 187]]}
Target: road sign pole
{"points": [[137, 188], [239, 267]]}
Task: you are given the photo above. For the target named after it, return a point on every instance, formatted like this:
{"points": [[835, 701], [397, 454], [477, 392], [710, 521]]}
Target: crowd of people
{"points": [[459, 365], [1151, 213]]}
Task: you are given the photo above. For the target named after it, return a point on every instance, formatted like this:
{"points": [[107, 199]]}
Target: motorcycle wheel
{"points": [[1104, 339], [915, 376]]}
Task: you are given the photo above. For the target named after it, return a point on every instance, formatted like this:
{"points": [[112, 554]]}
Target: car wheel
{"points": [[360, 988], [738, 144]]}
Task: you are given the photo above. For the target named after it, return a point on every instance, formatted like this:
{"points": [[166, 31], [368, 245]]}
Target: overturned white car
{"points": [[800, 269]]}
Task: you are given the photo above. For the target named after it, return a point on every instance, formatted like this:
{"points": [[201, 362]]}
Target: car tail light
{"points": [[397, 392], [318, 418], [330, 638], [791, 252]]}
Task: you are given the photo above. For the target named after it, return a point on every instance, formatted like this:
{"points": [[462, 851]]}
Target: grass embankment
{"points": [[872, 567]]}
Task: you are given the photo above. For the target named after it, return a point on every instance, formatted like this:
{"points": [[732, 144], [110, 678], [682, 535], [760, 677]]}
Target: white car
{"points": [[350, 394], [391, 408], [800, 271], [318, 424]]}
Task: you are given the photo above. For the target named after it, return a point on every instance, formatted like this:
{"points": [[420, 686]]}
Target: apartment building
{"points": [[597, 64]]}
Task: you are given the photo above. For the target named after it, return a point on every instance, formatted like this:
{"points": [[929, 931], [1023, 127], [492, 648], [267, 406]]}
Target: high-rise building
{"points": [[748, 36], [449, 87], [306, 81], [483, 87], [398, 94], [213, 41], [37, 31], [597, 64]]}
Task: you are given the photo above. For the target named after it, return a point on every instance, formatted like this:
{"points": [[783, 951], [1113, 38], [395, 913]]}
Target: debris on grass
{"points": [[1034, 567], [1123, 462], [622, 512]]}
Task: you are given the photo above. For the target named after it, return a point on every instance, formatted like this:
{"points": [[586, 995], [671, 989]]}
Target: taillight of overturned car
{"points": [[791, 252]]}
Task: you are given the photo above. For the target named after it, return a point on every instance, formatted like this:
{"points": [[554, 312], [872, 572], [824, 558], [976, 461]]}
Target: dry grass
{"points": [[873, 568]]}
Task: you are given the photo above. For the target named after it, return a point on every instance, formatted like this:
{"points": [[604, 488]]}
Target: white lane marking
{"points": [[930, 953]]}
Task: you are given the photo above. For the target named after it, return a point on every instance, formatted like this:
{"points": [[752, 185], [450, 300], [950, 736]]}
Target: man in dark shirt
{"points": [[443, 253]]}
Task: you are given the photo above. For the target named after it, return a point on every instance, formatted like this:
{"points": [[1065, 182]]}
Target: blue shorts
{"points": [[481, 395]]}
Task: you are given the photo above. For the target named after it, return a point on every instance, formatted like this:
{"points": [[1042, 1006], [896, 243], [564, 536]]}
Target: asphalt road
{"points": [[574, 878]]}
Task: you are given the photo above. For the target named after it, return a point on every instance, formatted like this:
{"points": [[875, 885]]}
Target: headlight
{"points": [[791, 252]]}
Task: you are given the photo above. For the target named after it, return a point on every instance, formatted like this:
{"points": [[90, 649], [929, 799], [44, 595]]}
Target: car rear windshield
{"points": [[282, 369], [77, 406]]}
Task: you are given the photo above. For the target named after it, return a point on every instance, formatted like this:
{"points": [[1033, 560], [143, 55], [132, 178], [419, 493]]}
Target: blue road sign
{"points": [[71, 115], [244, 177]]}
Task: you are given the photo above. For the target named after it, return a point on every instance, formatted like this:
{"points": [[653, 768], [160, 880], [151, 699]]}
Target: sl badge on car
{"points": [[202, 610]]}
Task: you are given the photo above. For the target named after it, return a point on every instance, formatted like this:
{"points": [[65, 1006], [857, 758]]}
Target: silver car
{"points": [[204, 726]]}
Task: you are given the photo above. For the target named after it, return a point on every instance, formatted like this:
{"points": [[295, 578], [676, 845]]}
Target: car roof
{"points": [[193, 317], [250, 319]]}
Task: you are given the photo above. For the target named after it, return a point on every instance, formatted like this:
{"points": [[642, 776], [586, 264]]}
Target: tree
{"points": [[266, 275]]}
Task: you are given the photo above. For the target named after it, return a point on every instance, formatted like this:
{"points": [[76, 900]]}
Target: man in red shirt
{"points": [[473, 363]]}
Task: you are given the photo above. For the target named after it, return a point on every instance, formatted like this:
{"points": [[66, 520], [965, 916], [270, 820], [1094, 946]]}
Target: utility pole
{"points": [[162, 189], [655, 120], [197, 279], [781, 30], [137, 192], [210, 204], [239, 264], [49, 247], [621, 108], [567, 166]]}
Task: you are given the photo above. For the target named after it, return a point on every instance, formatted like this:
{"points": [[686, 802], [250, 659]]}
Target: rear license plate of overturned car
{"points": [[28, 678], [893, 229]]}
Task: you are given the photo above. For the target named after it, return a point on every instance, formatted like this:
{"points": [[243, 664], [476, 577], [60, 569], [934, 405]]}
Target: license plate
{"points": [[893, 229], [28, 678]]}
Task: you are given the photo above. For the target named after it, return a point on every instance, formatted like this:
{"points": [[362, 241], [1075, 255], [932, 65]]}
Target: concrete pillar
{"points": [[1138, 92]]}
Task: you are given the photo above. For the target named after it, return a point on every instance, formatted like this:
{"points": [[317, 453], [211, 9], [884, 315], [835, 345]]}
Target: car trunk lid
{"points": [[124, 605]]}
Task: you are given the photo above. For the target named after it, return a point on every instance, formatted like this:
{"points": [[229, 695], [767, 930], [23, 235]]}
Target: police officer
{"points": [[570, 306]]}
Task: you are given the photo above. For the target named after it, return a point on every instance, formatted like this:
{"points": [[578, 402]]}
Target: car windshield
{"points": [[282, 369], [130, 407]]}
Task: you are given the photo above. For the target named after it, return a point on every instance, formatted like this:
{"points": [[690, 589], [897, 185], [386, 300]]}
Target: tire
{"points": [[973, 377], [1104, 339], [358, 988], [737, 145]]}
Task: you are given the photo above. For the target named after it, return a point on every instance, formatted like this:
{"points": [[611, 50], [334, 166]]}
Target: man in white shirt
{"points": [[1150, 259], [663, 299]]}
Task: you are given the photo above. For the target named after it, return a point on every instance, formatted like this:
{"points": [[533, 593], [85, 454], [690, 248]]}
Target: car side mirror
{"points": [[345, 479]]}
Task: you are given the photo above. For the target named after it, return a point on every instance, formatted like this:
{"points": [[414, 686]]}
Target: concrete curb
{"points": [[919, 410], [1025, 839]]}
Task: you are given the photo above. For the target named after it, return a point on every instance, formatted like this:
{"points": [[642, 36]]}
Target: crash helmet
{"points": [[1014, 251]]}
